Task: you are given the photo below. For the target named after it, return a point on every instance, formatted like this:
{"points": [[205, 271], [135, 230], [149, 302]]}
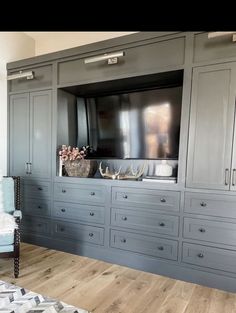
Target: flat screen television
{"points": [[143, 124]]}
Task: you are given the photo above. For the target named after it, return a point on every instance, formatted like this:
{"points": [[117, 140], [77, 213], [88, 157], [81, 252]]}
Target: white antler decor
{"points": [[130, 173]]}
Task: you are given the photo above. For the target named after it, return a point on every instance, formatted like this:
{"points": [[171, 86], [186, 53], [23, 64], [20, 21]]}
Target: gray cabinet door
{"points": [[19, 134], [40, 134], [211, 127]]}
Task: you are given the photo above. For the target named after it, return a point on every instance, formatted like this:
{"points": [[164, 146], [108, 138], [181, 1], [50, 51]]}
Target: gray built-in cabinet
{"points": [[185, 230]]}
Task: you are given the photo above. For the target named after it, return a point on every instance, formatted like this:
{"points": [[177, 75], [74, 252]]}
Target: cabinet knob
{"points": [[202, 230], [161, 248], [92, 193], [163, 200], [90, 234], [39, 207], [125, 196], [203, 204], [124, 218], [123, 240], [200, 255], [63, 210], [62, 229], [91, 213], [63, 191], [40, 188], [162, 224], [39, 225]]}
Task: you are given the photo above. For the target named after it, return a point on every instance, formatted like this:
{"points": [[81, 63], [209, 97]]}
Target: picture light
{"points": [[112, 58], [27, 75]]}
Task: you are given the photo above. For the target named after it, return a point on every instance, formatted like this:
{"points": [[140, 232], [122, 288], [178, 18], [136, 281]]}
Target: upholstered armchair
{"points": [[10, 243]]}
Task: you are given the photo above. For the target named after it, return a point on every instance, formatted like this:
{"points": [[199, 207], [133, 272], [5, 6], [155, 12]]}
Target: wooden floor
{"points": [[106, 288]]}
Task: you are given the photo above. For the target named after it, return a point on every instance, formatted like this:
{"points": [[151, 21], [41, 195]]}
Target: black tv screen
{"points": [[132, 125]]}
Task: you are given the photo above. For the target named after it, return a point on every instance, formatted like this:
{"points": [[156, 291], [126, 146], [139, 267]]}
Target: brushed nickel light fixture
{"points": [[112, 58], [221, 34], [21, 74]]}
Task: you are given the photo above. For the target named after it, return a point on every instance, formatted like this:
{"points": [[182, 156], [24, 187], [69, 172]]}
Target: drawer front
{"points": [[39, 190], [79, 192], [42, 79], [153, 246], [142, 59], [157, 223], [210, 257], [218, 232], [210, 204], [80, 212], [36, 225], [213, 49], [78, 232], [37, 207], [153, 199]]}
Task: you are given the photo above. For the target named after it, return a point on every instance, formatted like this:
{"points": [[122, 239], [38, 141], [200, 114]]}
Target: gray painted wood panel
{"points": [[83, 213], [37, 189], [40, 135], [36, 207], [212, 231], [19, 134], [154, 246], [212, 117], [210, 204], [146, 221], [142, 58], [206, 256], [42, 78], [37, 225]]}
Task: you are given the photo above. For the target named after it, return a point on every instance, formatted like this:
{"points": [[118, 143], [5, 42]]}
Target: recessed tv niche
{"points": [[140, 123]]}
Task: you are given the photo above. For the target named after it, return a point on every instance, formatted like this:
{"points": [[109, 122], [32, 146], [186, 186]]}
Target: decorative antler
{"points": [[107, 173]]}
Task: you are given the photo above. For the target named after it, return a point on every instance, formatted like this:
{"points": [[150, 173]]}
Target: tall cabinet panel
{"points": [[40, 135], [19, 134], [211, 127]]}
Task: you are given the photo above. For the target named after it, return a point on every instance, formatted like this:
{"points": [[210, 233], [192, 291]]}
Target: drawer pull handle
{"points": [[123, 240], [162, 224], [226, 177], [62, 229], [124, 218], [63, 191], [90, 234], [163, 200], [63, 210], [40, 188], [91, 214], [161, 248], [202, 230], [92, 193], [203, 204], [200, 255], [125, 196]]}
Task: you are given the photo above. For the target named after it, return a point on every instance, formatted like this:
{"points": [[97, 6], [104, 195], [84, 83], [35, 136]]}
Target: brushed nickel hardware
{"points": [[62, 229], [233, 177], [90, 234], [203, 204], [163, 200], [161, 248], [125, 197], [63, 210], [226, 177], [161, 224], [123, 240], [63, 191], [39, 207], [91, 214], [202, 230], [112, 58], [40, 188], [92, 193], [124, 218]]}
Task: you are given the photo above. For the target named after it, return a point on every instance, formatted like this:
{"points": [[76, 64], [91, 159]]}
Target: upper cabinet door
{"points": [[211, 127], [40, 133], [19, 134]]}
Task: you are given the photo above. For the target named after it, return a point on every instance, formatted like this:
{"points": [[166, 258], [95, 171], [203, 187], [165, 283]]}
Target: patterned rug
{"points": [[15, 299]]}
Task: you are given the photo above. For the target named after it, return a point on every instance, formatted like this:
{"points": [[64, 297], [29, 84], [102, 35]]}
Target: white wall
{"points": [[13, 46], [46, 42]]}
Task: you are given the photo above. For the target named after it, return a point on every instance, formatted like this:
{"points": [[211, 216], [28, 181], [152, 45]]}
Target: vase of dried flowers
{"points": [[75, 163]]}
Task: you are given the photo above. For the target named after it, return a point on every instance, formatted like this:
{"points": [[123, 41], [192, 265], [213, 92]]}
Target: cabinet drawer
{"points": [[153, 199], [80, 212], [79, 192], [153, 246], [143, 59], [213, 49], [79, 232], [42, 78], [39, 190], [210, 204], [158, 223], [210, 257], [36, 225], [218, 232], [37, 207]]}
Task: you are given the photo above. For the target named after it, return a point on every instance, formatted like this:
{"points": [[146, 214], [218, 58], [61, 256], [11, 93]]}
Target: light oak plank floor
{"points": [[101, 287]]}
